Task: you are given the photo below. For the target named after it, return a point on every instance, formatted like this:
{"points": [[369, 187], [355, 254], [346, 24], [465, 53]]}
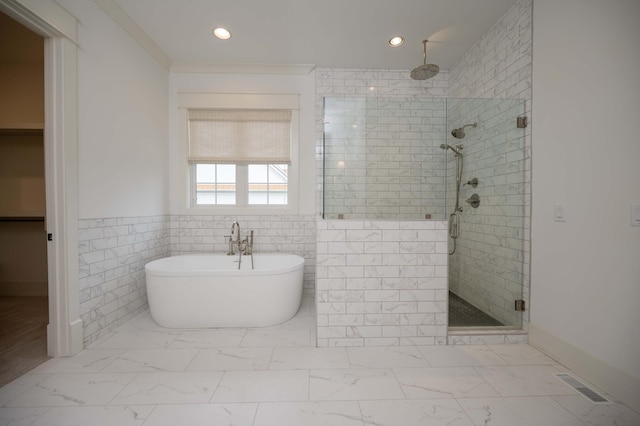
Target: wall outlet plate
{"points": [[560, 213]]}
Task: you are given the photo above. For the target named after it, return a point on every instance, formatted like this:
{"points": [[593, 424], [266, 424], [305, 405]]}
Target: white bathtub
{"points": [[208, 290]]}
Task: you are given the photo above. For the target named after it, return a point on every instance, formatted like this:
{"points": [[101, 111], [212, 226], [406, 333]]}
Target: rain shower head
{"points": [[425, 70], [455, 149], [459, 132]]}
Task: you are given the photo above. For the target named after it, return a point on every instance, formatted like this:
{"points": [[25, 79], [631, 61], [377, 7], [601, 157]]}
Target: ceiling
{"points": [[324, 33]]}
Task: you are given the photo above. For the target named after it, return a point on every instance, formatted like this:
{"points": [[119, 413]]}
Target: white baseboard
{"points": [[611, 379], [77, 337]]}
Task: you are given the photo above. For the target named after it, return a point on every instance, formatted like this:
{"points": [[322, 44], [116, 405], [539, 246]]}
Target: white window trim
{"points": [[187, 100]]}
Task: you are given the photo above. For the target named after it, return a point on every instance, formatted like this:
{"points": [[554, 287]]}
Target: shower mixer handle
{"points": [[474, 201], [473, 182]]}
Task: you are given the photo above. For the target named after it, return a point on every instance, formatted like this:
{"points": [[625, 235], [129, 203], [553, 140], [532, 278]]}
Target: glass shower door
{"points": [[486, 272]]}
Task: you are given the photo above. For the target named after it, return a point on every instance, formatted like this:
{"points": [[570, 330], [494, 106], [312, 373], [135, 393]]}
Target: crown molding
{"points": [[213, 68], [121, 18]]}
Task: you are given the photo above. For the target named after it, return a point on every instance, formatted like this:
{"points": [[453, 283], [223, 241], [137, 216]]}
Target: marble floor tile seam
{"points": [[269, 363], [472, 410], [316, 378], [364, 414], [540, 410]]}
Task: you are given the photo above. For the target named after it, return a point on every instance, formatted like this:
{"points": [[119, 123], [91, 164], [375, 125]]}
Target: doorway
{"points": [[24, 312]]}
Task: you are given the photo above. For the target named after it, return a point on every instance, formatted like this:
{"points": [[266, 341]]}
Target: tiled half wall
{"points": [[114, 251], [381, 283], [112, 255]]}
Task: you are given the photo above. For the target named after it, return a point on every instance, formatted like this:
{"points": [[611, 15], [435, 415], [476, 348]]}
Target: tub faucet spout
{"points": [[233, 226], [232, 243]]}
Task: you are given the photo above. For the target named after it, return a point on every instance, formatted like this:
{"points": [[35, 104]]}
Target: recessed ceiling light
{"points": [[222, 33], [396, 41]]}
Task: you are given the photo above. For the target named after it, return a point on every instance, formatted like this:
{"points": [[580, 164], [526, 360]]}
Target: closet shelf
{"points": [[17, 216]]}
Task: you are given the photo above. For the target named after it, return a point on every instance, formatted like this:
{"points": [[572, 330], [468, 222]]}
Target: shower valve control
{"points": [[474, 201], [473, 182]]}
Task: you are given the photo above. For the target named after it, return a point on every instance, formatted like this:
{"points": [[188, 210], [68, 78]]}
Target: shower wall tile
{"points": [[494, 247], [379, 167], [393, 295], [112, 255], [382, 157], [293, 234]]}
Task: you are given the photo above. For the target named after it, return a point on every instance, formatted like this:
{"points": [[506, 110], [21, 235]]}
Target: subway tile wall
{"points": [[293, 234], [113, 252], [382, 158], [496, 238], [112, 255], [381, 283], [355, 84], [499, 64]]}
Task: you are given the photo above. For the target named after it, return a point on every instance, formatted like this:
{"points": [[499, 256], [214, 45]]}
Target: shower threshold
{"points": [[464, 314], [469, 325]]}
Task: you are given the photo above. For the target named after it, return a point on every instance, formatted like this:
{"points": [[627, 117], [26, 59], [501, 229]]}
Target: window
{"points": [[239, 157], [268, 183], [215, 184]]}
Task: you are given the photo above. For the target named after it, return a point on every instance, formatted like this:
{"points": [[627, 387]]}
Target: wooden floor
{"points": [[23, 335]]}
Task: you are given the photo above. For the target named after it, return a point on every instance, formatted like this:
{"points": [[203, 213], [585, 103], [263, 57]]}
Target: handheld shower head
{"points": [[459, 132], [455, 149]]}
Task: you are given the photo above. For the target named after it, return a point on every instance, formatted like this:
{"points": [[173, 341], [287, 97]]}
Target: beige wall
{"points": [[21, 76], [21, 174]]}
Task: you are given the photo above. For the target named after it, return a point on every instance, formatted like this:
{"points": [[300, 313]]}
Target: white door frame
{"points": [[50, 20]]}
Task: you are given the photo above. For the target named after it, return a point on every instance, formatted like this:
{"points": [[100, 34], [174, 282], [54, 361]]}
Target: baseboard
{"points": [[68, 344], [77, 337], [611, 379], [23, 288]]}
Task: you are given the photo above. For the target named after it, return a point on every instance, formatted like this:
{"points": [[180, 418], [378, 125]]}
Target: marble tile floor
{"points": [[142, 374]]}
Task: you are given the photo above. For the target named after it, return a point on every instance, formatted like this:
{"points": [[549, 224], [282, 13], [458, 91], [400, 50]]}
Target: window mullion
{"points": [[242, 185]]}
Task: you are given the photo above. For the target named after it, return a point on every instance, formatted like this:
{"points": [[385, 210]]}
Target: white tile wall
{"points": [[287, 234], [382, 157], [381, 283], [113, 252], [499, 65], [354, 84], [112, 255], [496, 238]]}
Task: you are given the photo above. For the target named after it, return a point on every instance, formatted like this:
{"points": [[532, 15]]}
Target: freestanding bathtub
{"points": [[208, 290]]}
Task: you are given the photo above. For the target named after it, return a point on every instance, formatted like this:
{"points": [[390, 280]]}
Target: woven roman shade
{"points": [[250, 136]]}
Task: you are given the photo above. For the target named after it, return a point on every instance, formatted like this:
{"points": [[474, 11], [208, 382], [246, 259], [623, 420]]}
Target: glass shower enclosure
{"points": [[386, 158]]}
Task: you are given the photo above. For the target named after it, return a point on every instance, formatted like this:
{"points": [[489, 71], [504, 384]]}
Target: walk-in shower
{"points": [[400, 159]]}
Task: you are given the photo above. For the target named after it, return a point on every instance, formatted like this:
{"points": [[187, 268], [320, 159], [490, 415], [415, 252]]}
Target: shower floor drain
{"points": [[583, 389]]}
